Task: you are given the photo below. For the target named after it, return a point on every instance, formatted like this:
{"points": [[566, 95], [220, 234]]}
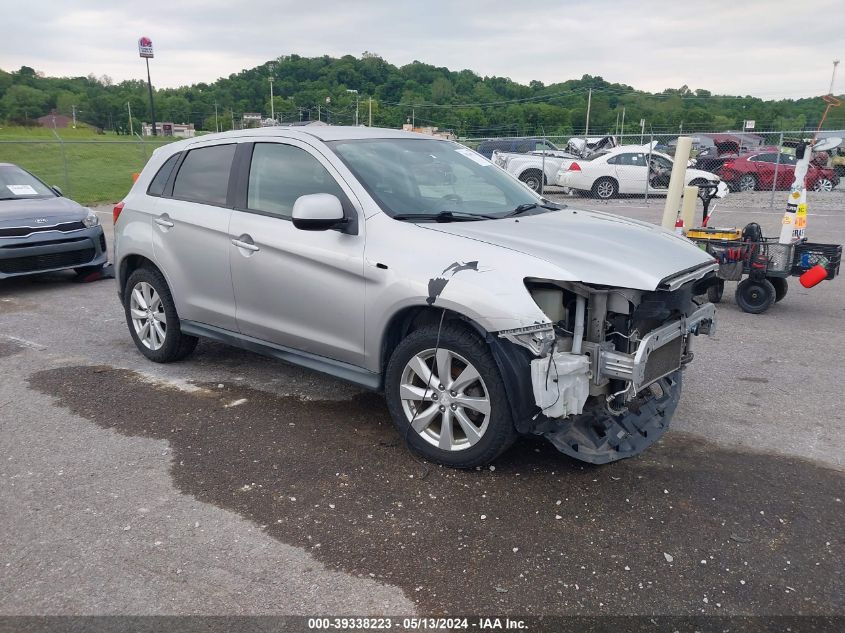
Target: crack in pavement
{"points": [[687, 528]]}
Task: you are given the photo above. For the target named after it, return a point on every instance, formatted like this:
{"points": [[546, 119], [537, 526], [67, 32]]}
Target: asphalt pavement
{"points": [[234, 484]]}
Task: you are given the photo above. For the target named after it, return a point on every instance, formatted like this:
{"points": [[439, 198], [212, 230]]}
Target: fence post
{"points": [[648, 166], [775, 181], [543, 165], [64, 161]]}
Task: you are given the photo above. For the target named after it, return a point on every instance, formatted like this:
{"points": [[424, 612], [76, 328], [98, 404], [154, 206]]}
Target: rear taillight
{"points": [[116, 211], [574, 167], [727, 165]]}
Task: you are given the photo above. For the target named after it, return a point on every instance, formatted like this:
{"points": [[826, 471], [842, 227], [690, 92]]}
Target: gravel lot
{"points": [[235, 484]]}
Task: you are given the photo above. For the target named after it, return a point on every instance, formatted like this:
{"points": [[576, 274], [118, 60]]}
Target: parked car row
{"points": [[627, 169]]}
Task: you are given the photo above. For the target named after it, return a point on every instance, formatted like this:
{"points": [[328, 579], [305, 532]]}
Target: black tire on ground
{"points": [[715, 292], [500, 433], [605, 188], [747, 182], [780, 285], [755, 296], [533, 178], [176, 344]]}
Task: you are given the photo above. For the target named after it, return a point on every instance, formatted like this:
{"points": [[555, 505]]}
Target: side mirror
{"points": [[57, 191], [317, 212]]}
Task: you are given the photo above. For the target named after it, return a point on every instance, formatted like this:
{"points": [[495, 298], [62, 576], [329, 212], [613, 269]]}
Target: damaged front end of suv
{"points": [[604, 377]]}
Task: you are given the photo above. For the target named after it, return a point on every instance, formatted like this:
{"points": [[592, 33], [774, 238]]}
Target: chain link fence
{"points": [[89, 171], [640, 164]]}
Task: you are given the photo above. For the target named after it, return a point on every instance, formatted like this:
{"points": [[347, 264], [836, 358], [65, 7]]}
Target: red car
{"points": [[756, 170]]}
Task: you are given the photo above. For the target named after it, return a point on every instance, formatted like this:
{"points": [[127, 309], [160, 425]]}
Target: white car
{"points": [[529, 167], [625, 170]]}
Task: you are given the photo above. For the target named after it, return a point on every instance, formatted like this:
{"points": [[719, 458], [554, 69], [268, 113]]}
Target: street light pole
{"points": [[371, 112], [272, 108], [131, 129]]}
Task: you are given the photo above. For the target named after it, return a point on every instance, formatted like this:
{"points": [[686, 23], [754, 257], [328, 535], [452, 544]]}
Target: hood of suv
{"points": [[591, 247], [40, 211]]}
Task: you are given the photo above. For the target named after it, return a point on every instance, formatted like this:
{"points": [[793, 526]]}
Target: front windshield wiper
{"points": [[529, 206], [445, 216]]}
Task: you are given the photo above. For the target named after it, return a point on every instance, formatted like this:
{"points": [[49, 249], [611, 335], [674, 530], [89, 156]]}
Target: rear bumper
{"points": [[52, 250]]}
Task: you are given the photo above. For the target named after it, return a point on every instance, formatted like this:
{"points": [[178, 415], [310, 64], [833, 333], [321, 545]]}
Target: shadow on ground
{"points": [[687, 528]]}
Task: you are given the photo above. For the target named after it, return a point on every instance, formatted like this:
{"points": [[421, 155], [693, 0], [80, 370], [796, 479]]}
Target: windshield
{"points": [[422, 177], [17, 184]]}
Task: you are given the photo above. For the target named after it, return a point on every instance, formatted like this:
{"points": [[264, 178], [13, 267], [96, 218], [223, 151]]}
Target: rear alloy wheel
{"points": [[755, 296], [532, 179], [152, 319], [823, 184], [447, 398], [747, 182], [605, 188]]}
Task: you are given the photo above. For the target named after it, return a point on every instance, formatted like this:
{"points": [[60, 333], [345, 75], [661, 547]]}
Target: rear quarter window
{"points": [[159, 181]]}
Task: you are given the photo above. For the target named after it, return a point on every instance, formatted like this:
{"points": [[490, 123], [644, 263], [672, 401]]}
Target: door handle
{"points": [[163, 221], [245, 245]]}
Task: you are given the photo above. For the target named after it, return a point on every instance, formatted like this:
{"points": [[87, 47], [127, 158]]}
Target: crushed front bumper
{"points": [[659, 353]]}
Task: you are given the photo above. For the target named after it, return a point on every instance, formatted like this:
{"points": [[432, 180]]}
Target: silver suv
{"points": [[416, 267]]}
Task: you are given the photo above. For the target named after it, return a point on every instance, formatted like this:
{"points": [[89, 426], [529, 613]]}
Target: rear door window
{"points": [[204, 175], [159, 181]]}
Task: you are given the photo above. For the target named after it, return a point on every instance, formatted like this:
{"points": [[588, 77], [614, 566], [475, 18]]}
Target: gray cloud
{"points": [[759, 47]]}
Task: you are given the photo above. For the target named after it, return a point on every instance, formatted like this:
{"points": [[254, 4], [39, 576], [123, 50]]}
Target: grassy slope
{"points": [[99, 166]]}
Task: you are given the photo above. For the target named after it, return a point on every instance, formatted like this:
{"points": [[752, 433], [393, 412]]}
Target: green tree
{"points": [[23, 103]]}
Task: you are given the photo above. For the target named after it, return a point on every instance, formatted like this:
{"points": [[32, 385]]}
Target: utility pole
{"points": [[73, 108], [642, 130], [413, 118], [232, 113], [833, 76], [319, 114], [622, 129], [356, 105], [272, 108], [131, 129], [216, 123], [587, 125], [371, 112]]}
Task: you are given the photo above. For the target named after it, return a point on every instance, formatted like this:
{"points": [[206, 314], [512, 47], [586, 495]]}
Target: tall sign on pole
{"points": [[145, 50]]}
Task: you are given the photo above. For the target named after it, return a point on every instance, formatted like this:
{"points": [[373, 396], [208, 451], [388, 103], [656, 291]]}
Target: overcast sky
{"points": [[767, 48]]}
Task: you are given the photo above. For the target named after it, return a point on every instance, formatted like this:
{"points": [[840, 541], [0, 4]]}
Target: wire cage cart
{"points": [[764, 263]]}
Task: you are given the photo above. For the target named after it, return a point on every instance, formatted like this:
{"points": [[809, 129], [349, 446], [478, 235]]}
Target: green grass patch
{"points": [[90, 168]]}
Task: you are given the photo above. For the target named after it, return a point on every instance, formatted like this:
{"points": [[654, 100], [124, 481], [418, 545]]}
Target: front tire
{"points": [[715, 292], [447, 398], [823, 184], [152, 318]]}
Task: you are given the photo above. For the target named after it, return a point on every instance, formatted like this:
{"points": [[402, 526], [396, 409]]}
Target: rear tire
{"points": [[747, 182], [150, 311], [755, 296], [533, 179], [605, 188], [780, 285], [462, 356]]}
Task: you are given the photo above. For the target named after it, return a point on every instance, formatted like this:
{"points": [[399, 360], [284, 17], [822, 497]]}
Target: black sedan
{"points": [[41, 230]]}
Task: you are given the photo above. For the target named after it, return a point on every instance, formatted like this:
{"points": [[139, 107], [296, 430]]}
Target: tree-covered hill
{"points": [[471, 105]]}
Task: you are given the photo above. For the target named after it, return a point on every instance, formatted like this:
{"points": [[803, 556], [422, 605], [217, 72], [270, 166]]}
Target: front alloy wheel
{"points": [[445, 399], [148, 317]]}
